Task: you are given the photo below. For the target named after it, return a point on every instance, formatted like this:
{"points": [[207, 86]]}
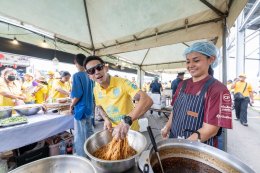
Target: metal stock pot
{"points": [[58, 164], [198, 157]]}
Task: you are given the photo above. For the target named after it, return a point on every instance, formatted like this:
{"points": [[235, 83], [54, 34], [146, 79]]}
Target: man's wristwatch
{"points": [[128, 120]]}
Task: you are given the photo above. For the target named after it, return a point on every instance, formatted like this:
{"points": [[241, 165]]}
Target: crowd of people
{"points": [[30, 89], [200, 104]]}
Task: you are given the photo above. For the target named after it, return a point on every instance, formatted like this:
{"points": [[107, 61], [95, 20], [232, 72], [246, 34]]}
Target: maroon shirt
{"points": [[217, 105]]}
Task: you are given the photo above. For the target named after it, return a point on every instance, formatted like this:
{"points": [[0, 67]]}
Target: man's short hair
{"points": [[181, 73], [91, 58], [80, 58]]}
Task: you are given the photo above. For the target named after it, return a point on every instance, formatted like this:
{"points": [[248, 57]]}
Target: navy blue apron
{"points": [[195, 105]]}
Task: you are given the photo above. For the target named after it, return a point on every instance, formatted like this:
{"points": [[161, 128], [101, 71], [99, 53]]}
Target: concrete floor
{"points": [[243, 142]]}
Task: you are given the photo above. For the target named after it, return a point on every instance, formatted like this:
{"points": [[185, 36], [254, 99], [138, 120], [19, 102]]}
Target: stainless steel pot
{"points": [[135, 139], [58, 164], [181, 148], [5, 112], [27, 110]]}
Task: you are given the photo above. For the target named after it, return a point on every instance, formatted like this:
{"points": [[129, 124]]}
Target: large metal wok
{"points": [[58, 164], [198, 157]]}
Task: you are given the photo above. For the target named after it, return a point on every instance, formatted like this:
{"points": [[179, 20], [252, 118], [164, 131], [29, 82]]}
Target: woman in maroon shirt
{"points": [[201, 103]]}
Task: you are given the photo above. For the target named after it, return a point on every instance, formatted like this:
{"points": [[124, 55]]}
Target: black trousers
{"points": [[241, 109]]}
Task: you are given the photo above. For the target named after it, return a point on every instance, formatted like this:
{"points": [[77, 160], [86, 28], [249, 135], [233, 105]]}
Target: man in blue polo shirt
{"points": [[81, 105], [176, 82]]}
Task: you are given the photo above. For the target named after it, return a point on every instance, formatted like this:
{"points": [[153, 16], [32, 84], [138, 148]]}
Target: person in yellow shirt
{"points": [[114, 98], [41, 90], [243, 94], [50, 80], [61, 88], [10, 89], [229, 85], [28, 88]]}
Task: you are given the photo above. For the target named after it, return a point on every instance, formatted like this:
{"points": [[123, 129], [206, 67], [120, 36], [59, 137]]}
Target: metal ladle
{"points": [[154, 146]]}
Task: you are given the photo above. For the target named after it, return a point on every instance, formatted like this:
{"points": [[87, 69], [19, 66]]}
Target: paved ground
{"points": [[243, 142]]}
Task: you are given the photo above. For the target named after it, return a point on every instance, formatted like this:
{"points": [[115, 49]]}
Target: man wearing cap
{"points": [[243, 94], [176, 82], [155, 86]]}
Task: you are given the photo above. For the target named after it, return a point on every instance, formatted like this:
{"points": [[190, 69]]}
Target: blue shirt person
{"points": [[155, 86], [176, 82], [82, 105]]}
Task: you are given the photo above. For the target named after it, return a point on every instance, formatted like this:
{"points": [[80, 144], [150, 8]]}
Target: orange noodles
{"points": [[115, 150]]}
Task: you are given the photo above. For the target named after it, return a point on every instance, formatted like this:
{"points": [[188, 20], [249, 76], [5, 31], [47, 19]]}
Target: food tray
{"points": [[55, 105], [16, 120]]}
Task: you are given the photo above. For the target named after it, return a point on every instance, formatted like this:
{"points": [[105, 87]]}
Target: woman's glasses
{"points": [[92, 70]]}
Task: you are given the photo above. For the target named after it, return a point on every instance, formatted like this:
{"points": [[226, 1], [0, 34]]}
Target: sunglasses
{"points": [[92, 70]]}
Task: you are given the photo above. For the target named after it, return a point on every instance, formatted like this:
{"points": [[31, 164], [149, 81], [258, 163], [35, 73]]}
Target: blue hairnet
{"points": [[205, 48]]}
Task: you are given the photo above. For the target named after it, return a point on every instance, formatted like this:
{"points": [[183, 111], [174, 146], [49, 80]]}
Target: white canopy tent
{"points": [[157, 30], [117, 26]]}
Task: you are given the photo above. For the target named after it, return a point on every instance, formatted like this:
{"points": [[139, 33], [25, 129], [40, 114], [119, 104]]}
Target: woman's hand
{"points": [[165, 131]]}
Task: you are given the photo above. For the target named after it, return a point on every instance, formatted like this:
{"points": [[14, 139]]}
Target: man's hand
{"points": [[120, 130], [107, 125], [21, 97], [71, 109]]}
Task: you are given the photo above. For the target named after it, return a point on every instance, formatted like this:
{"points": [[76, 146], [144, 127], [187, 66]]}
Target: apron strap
{"points": [[206, 86], [183, 86]]}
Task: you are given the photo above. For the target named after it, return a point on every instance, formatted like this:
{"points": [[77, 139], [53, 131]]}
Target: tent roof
{"points": [[113, 27]]}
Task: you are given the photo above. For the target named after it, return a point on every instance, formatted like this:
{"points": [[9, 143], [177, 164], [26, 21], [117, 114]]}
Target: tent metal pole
{"points": [[164, 63], [186, 44], [217, 11], [145, 56], [230, 4], [224, 71], [249, 15], [89, 28]]}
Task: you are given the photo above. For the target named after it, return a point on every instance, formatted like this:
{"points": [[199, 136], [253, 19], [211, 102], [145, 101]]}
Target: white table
{"points": [[39, 127]]}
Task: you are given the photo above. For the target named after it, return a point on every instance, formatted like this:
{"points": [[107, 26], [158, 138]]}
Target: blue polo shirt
{"points": [[82, 88], [175, 84]]}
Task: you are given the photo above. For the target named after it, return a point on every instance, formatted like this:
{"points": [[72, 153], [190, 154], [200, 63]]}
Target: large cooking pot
{"points": [[58, 164], [135, 139], [184, 156]]}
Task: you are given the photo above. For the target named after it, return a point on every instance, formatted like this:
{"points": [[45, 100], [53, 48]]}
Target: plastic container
{"points": [[63, 148], [54, 147], [3, 166], [143, 123]]}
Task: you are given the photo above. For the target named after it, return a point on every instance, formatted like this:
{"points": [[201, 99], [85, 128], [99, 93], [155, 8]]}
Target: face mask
{"points": [[11, 78]]}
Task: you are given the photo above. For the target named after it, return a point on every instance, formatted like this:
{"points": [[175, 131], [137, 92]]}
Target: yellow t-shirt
{"points": [[41, 94], [28, 90], [14, 89], [116, 100], [239, 87], [50, 83], [58, 84]]}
